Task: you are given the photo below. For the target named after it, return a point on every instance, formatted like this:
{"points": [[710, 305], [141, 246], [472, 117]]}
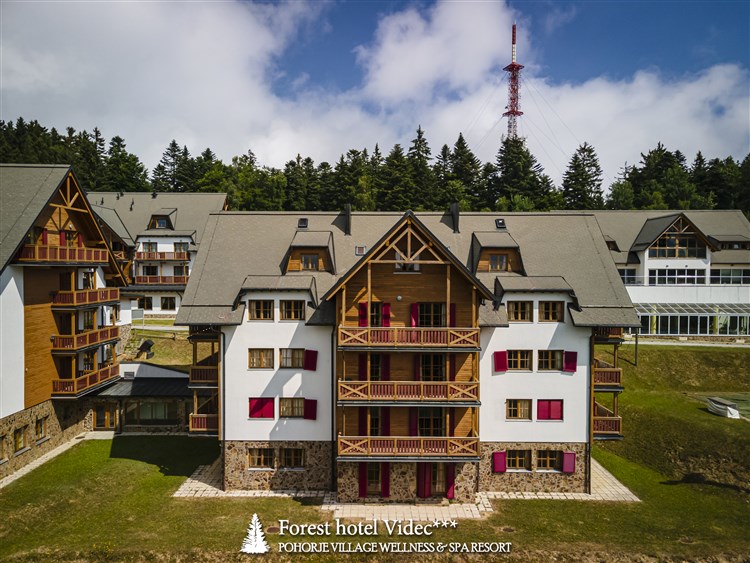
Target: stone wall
{"points": [[535, 480], [465, 487], [316, 474], [125, 331], [65, 420]]}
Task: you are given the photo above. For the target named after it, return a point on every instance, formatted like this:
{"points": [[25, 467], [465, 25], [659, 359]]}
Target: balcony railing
{"points": [[604, 333], [606, 422], [204, 375], [73, 387], [46, 253], [204, 422], [407, 337], [606, 375], [86, 297], [408, 391], [407, 446], [71, 343], [161, 280], [162, 256]]}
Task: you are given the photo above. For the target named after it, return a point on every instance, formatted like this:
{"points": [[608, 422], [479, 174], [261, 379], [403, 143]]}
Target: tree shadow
{"points": [[174, 455], [700, 479]]}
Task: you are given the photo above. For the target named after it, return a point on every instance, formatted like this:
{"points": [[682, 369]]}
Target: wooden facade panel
{"points": [[39, 325], [513, 262], [464, 421], [40, 283], [295, 259]]}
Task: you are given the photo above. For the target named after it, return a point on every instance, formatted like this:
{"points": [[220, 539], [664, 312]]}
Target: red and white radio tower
{"points": [[514, 107]]}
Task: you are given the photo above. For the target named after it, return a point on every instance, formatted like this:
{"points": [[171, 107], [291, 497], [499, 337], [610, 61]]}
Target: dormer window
{"points": [[159, 222], [310, 261], [679, 241], [498, 262]]}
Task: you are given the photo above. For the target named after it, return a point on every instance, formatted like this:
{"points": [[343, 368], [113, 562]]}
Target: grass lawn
{"points": [[170, 349]]}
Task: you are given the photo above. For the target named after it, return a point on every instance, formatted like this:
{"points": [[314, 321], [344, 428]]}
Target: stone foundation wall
{"points": [[125, 331], [534, 481], [465, 487], [65, 421], [316, 474]]}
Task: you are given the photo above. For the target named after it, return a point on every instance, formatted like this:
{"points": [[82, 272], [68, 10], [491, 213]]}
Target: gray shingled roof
{"points": [[113, 221], [25, 189], [241, 244], [148, 387]]}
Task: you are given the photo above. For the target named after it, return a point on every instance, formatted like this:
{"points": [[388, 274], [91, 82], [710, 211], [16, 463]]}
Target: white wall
{"points": [[241, 383], [142, 370], [163, 244], [689, 293], [496, 388], [11, 341], [126, 306]]}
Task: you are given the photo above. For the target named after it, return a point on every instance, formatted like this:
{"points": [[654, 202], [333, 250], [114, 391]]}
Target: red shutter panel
{"points": [[498, 462], [385, 421], [413, 421], [362, 366], [268, 407], [414, 318], [363, 320], [255, 411], [424, 480], [45, 235], [450, 480], [80, 240], [452, 315], [385, 367], [542, 409], [362, 479], [500, 360], [311, 409], [452, 367], [556, 410], [386, 312], [385, 479], [63, 242], [569, 462], [452, 429], [311, 360], [570, 362], [261, 407]]}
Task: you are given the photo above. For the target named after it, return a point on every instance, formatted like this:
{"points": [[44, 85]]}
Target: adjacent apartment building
{"points": [[405, 356]]}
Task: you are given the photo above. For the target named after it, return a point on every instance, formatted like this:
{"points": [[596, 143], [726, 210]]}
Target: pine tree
{"points": [[582, 181], [519, 173], [466, 168], [296, 185], [418, 157], [164, 174], [398, 187], [123, 172], [255, 541]]}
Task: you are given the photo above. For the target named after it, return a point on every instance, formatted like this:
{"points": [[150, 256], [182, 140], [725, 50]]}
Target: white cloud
{"points": [[202, 73]]}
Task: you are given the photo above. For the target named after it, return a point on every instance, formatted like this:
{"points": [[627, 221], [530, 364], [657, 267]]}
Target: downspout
{"points": [[334, 447], [589, 446], [222, 402]]}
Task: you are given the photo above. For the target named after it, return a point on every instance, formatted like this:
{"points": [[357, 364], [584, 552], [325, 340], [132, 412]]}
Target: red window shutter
{"points": [[255, 409], [452, 367], [363, 320], [500, 359], [311, 360], [570, 362], [450, 480], [63, 242], [311, 409], [362, 366], [261, 407], [80, 240], [385, 367], [569, 462], [385, 479], [414, 320], [362, 479], [452, 315], [452, 429], [417, 366], [268, 407], [542, 409], [385, 421], [386, 311], [498, 462], [45, 235], [556, 410]]}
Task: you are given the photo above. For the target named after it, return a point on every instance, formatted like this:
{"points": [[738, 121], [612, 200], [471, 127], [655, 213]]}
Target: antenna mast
{"points": [[514, 107]]}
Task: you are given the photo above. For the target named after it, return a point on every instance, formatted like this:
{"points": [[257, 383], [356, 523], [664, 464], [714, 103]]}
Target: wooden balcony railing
{"points": [[73, 387], [407, 446], [204, 375], [161, 280], [162, 256], [71, 343], [406, 337], [204, 422], [86, 297], [46, 253], [608, 333], [605, 421], [606, 374], [408, 391], [120, 255]]}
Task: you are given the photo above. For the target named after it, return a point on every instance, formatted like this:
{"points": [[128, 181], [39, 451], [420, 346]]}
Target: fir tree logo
{"points": [[255, 541]]}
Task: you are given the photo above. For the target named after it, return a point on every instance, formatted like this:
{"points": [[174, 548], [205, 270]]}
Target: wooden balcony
{"points": [[161, 280], [609, 334], [86, 297], [408, 391], [204, 375], [606, 424], [162, 256], [606, 375], [364, 446], [73, 343], [62, 254], [88, 380], [208, 423], [405, 337]]}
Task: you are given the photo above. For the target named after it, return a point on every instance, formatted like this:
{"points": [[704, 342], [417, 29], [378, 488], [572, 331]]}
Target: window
{"points": [[518, 459], [360, 250], [68, 238], [150, 270], [19, 439], [292, 408], [145, 303], [550, 360], [154, 413], [376, 313], [521, 311], [735, 276], [158, 222], [375, 421], [88, 280], [549, 460], [431, 314], [88, 320], [679, 241], [3, 450], [518, 409], [433, 367], [260, 310], [88, 360], [549, 409], [292, 357], [687, 276], [149, 247], [261, 407], [402, 266], [519, 360], [181, 271], [373, 478], [551, 311], [292, 310], [260, 358], [310, 261], [498, 262], [180, 247], [627, 275], [260, 458], [431, 421], [41, 428], [168, 303], [292, 458], [438, 479], [375, 366]]}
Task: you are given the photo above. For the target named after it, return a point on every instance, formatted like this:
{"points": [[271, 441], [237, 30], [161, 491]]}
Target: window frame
{"points": [[519, 406], [261, 459], [552, 311], [263, 355], [181, 247], [41, 430], [428, 311], [549, 460], [431, 422], [432, 368], [24, 444], [295, 459], [550, 360], [306, 262], [493, 256], [146, 300], [167, 299], [518, 460], [374, 474], [291, 358], [266, 307], [288, 308], [512, 359], [516, 310], [291, 407]]}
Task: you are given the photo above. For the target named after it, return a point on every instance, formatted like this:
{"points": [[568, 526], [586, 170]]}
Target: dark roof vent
{"points": [[455, 213], [360, 250], [500, 224], [302, 223], [348, 219]]}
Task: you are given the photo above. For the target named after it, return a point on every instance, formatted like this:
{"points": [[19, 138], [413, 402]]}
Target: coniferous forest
{"points": [[407, 177]]}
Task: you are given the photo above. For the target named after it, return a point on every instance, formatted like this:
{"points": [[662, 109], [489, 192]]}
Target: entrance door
{"points": [[106, 416]]}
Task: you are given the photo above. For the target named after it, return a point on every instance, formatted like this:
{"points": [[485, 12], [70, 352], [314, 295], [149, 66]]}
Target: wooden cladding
{"points": [[204, 375], [62, 254], [497, 260], [162, 256], [408, 391], [73, 343], [161, 280], [309, 260], [74, 387], [407, 446], [409, 337], [86, 297]]}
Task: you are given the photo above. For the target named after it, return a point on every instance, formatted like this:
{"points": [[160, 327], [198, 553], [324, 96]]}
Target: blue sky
{"points": [[321, 77]]}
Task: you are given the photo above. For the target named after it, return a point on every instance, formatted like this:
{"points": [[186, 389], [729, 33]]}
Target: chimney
{"points": [[454, 211], [348, 219]]}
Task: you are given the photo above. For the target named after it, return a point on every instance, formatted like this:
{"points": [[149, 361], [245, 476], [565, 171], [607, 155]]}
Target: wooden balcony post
{"points": [[369, 310], [343, 305], [448, 296]]}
